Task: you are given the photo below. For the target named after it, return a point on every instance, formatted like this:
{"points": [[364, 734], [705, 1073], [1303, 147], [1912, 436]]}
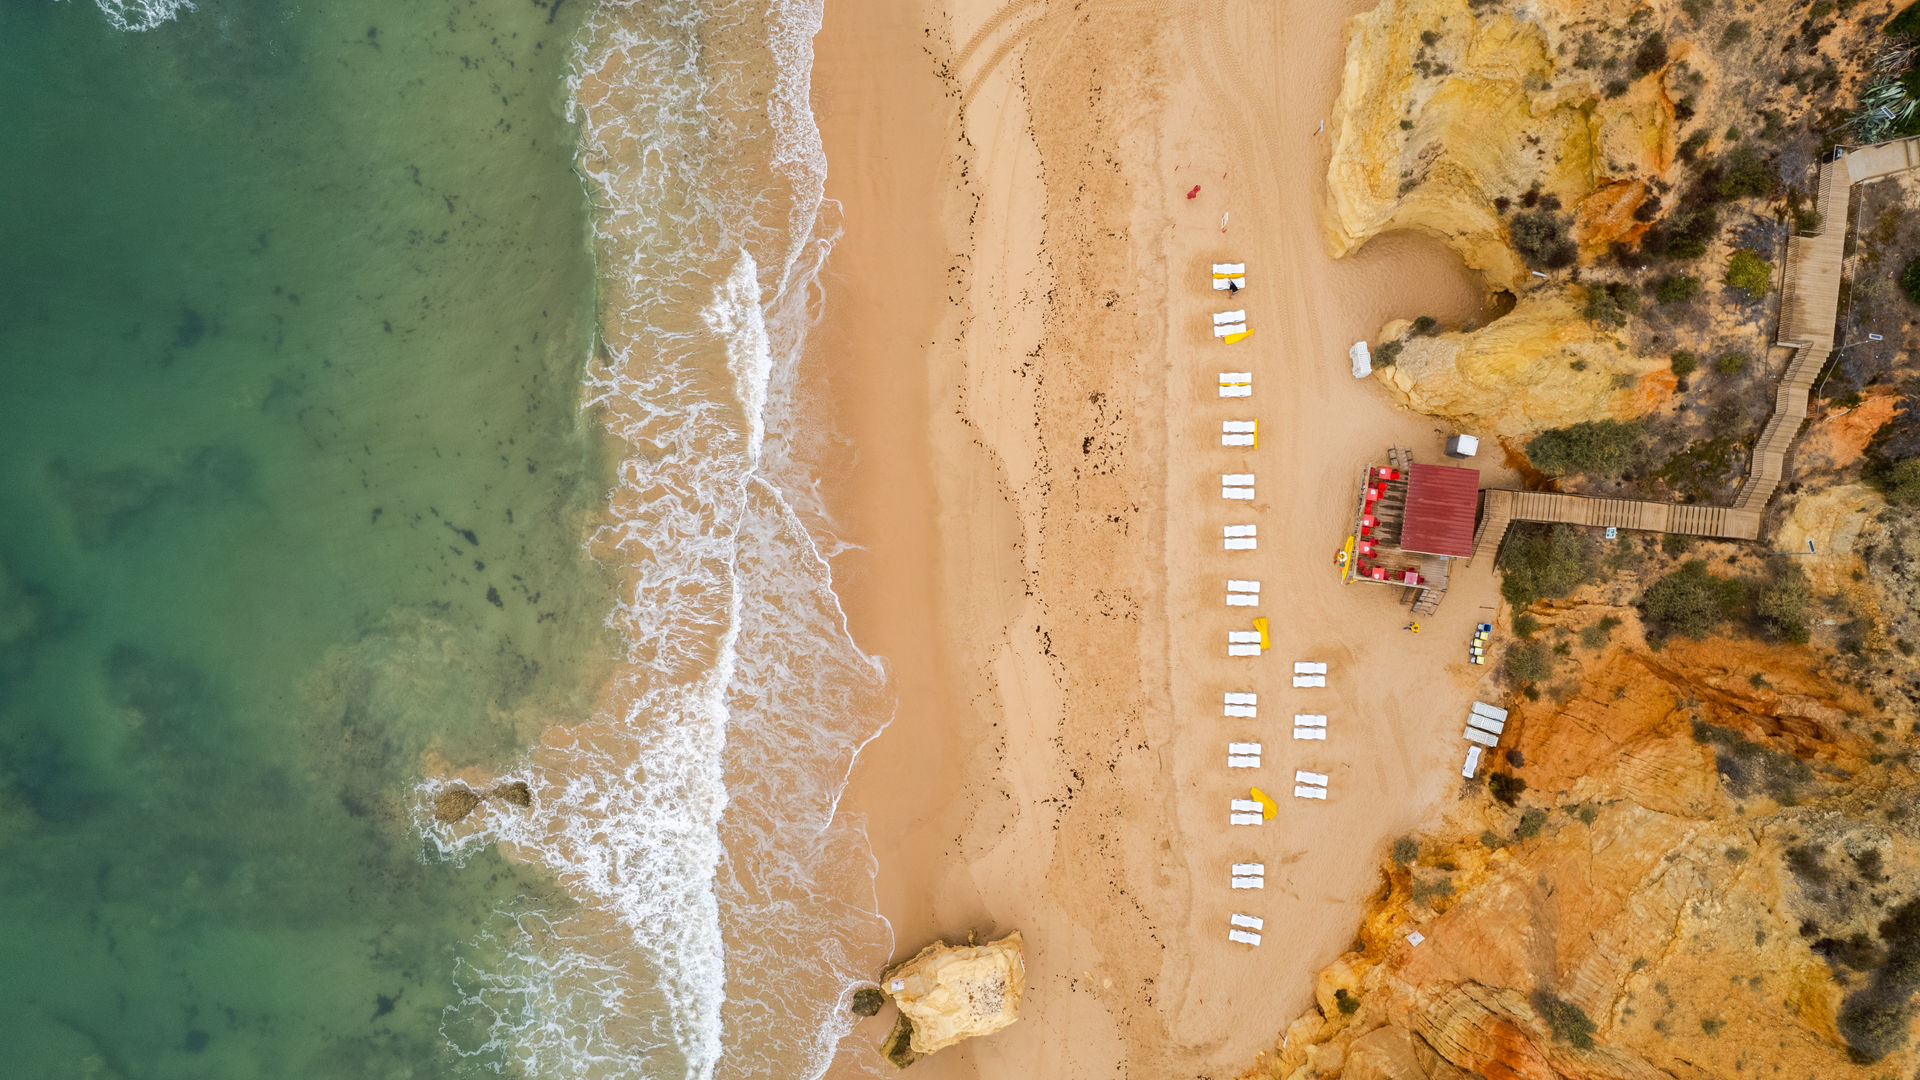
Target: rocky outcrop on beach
{"points": [[949, 993], [1560, 145]]}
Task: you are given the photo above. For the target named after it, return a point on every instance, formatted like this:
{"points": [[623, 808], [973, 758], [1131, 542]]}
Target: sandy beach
{"points": [[1017, 344]]}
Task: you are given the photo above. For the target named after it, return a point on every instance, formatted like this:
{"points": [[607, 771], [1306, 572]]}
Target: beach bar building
{"points": [[1412, 521]]}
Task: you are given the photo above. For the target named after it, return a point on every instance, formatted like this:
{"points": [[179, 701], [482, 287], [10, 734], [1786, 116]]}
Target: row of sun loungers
{"points": [[1236, 384], [1229, 277], [1243, 755], [1243, 643], [1241, 538], [1309, 726], [1484, 724], [1236, 485], [1239, 433], [1241, 704], [1309, 785], [1249, 875], [1242, 593], [1245, 929]]}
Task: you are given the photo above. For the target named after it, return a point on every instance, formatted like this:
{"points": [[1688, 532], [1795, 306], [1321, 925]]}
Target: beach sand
{"points": [[1016, 344]]}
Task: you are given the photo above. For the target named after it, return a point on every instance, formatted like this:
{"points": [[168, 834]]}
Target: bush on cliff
{"points": [[1610, 304], [1540, 236], [1604, 448], [1569, 1022], [1750, 273], [1901, 482], [1782, 603], [1877, 1019], [1676, 288], [1910, 280], [1541, 564], [1529, 662], [1691, 602]]}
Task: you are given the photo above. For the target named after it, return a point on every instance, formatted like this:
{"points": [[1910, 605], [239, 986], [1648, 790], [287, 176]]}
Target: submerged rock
{"points": [[516, 792], [867, 1001], [454, 804]]}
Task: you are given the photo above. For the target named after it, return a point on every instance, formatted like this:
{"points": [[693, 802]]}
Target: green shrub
{"points": [[1750, 273], [1426, 326], [1616, 88], [1540, 564], [1596, 635], [1525, 625], [1742, 172], [1345, 1002], [1568, 1021], [1540, 236], [1505, 787], [1732, 363], [1605, 448], [1901, 482], [1737, 31], [1906, 24], [1690, 602], [1610, 304], [1405, 850], [1651, 56], [1691, 146], [1910, 280], [1782, 602], [1676, 288], [1530, 662], [1530, 823], [1684, 363]]}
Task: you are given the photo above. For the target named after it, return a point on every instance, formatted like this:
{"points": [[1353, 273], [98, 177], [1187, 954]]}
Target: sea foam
{"points": [[141, 14], [717, 903]]}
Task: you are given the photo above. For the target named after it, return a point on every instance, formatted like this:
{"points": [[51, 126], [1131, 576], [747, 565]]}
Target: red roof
{"points": [[1441, 501]]}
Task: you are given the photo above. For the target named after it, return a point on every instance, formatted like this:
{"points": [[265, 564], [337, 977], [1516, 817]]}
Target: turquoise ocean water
{"points": [[295, 301], [399, 402]]}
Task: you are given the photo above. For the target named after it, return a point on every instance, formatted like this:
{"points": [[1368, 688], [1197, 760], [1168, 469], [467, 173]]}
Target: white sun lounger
{"points": [[1308, 667], [1473, 762], [1236, 440], [1239, 427], [1309, 680], [1309, 792], [1245, 869], [1244, 637], [1242, 585], [1223, 318], [1241, 543], [1249, 883], [1243, 761], [1310, 733], [1243, 748], [1302, 776], [1236, 384], [1244, 806], [1223, 329], [1243, 650], [1243, 937], [1248, 922], [1489, 711], [1491, 727], [1246, 819], [1246, 711], [1307, 719], [1481, 737], [1240, 530], [1241, 697]]}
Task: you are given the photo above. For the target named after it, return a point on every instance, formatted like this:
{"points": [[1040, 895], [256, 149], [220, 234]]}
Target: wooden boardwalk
{"points": [[1809, 310]]}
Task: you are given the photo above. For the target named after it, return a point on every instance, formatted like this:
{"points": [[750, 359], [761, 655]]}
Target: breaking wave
{"points": [[717, 905], [141, 14]]}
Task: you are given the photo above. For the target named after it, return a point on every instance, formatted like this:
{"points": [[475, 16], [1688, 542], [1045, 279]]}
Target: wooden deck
{"points": [[1809, 311]]}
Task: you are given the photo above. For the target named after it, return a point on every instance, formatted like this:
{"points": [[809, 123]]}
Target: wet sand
{"points": [[1016, 342]]}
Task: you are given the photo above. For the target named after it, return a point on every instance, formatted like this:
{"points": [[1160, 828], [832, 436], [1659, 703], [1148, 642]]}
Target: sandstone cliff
{"points": [[1712, 871], [1560, 145]]}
